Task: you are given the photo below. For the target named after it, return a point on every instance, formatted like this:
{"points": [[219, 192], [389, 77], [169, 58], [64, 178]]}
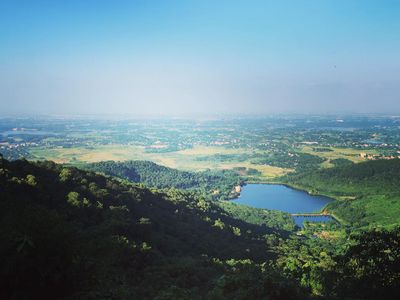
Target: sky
{"points": [[199, 57]]}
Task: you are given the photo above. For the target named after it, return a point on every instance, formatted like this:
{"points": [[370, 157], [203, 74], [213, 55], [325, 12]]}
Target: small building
{"points": [[238, 189]]}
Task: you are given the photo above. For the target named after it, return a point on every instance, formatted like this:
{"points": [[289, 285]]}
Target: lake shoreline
{"points": [[291, 188], [294, 187], [288, 199], [297, 187]]}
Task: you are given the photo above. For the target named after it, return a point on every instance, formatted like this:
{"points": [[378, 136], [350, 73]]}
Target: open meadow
{"points": [[184, 159]]}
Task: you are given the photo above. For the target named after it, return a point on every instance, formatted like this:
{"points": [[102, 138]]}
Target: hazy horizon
{"points": [[174, 58]]}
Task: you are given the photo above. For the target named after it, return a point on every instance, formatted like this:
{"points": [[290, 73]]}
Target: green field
{"points": [[183, 159], [337, 153], [189, 159]]}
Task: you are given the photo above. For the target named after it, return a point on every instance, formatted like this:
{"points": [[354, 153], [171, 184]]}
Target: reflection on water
{"points": [[280, 197]]}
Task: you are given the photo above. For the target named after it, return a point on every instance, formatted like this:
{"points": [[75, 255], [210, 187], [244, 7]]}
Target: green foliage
{"points": [[73, 199], [94, 237], [253, 172], [341, 162], [153, 175], [321, 149], [299, 161], [369, 191], [370, 268], [31, 180], [219, 224], [236, 231], [261, 217], [87, 236], [65, 174], [244, 280]]}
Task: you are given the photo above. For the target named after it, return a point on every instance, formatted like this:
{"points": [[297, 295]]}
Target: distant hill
{"points": [[370, 191], [217, 184]]}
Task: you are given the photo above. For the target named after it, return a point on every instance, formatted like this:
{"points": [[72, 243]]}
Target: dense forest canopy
{"points": [[215, 184], [68, 233]]}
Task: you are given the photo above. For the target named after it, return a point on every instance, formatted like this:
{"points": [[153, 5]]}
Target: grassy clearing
{"points": [[184, 159], [267, 172], [204, 150], [88, 154], [346, 153]]}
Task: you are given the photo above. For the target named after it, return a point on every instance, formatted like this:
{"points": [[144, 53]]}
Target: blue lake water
{"points": [[280, 197]]}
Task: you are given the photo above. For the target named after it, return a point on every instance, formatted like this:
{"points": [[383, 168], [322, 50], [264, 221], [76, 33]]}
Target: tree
{"points": [[65, 175], [31, 180], [73, 199]]}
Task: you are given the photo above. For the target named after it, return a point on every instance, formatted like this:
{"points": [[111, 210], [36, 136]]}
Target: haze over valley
{"points": [[200, 150]]}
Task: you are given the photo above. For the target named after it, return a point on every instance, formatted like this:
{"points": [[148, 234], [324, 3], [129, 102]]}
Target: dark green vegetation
{"points": [[368, 193], [261, 217], [71, 234], [277, 158], [155, 233], [365, 265], [298, 161], [67, 232], [212, 184], [341, 162]]}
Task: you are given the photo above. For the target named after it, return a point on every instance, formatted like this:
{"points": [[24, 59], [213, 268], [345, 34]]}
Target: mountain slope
{"points": [[72, 233]]}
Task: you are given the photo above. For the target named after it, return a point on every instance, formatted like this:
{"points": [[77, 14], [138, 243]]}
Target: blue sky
{"points": [[178, 57]]}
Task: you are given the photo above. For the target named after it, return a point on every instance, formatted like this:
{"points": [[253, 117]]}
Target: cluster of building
{"points": [[369, 156]]}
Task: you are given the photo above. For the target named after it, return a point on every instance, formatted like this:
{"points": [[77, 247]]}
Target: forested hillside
{"points": [[368, 192], [67, 232], [73, 234], [216, 184]]}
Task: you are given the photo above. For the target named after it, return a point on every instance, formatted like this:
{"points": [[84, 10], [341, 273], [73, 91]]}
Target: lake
{"points": [[280, 197]]}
